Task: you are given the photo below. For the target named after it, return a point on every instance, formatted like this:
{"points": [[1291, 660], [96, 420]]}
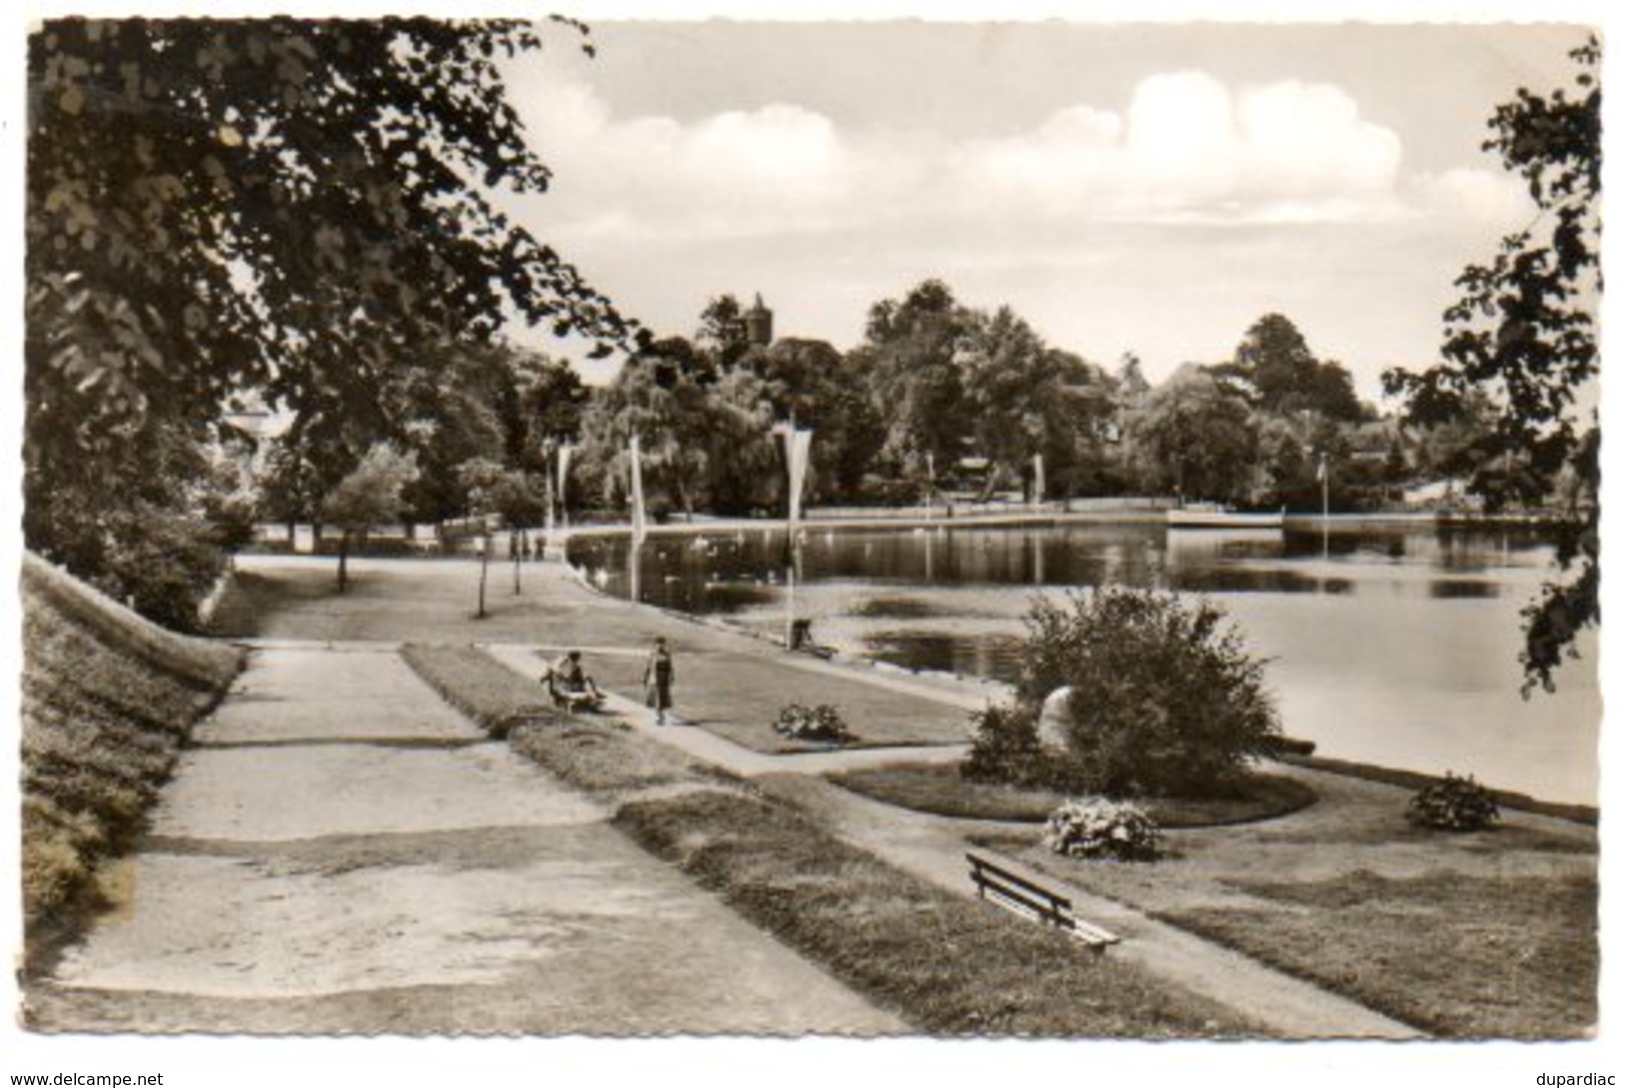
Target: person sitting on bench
{"points": [[570, 685]]}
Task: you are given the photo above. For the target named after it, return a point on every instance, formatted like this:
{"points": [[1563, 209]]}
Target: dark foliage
{"points": [[1170, 700], [1522, 334], [279, 209], [1453, 804]]}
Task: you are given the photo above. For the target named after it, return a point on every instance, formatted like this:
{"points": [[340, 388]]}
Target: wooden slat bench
{"points": [[1024, 897]]}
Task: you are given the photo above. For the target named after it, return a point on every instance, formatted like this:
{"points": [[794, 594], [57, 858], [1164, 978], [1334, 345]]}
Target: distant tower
{"points": [[759, 324]]}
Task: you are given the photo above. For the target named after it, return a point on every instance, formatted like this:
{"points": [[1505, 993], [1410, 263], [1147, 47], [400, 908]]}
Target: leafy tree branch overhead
{"points": [[286, 207], [1523, 336]]}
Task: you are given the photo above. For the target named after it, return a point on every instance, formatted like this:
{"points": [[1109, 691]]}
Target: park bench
{"points": [[571, 699], [1030, 900]]}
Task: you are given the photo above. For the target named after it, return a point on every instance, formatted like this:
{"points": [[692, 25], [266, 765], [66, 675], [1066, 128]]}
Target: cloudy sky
{"points": [[1145, 188]]}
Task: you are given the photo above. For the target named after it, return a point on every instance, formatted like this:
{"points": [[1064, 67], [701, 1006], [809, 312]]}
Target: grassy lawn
{"points": [[1460, 956], [593, 752], [107, 701], [948, 964], [945, 963], [1413, 780], [480, 686], [940, 789], [738, 696], [1488, 933]]}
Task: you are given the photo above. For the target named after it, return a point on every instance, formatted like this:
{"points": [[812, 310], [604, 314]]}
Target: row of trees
{"points": [[937, 385]]}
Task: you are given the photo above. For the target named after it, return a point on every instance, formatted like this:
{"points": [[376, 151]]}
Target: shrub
{"points": [[1005, 748], [164, 570], [821, 723], [1172, 702], [1100, 828], [1453, 804]]}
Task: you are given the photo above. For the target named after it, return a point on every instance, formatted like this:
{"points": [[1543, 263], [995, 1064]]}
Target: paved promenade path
{"points": [[340, 851]]}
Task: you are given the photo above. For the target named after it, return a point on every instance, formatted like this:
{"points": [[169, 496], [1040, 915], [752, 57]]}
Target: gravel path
{"points": [[341, 852]]}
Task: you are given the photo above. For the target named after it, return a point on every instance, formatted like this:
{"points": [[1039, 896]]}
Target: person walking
{"points": [[657, 679]]}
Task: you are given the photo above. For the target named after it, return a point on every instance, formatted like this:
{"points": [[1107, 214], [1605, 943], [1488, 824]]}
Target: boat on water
{"points": [[1212, 515]]}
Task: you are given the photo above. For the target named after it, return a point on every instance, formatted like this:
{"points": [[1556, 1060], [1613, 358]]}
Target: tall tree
{"points": [[808, 381], [552, 398], [914, 374], [1274, 366], [658, 397], [1079, 423], [1523, 333], [369, 495], [451, 404], [1008, 376], [281, 205], [723, 336], [1197, 439]]}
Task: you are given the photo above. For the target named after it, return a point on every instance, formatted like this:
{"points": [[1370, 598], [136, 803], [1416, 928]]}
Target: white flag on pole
{"points": [[1038, 477], [564, 469], [1320, 470], [639, 526], [797, 446]]}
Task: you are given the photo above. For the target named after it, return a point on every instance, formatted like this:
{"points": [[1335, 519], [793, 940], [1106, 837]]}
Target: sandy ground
{"points": [[342, 852]]}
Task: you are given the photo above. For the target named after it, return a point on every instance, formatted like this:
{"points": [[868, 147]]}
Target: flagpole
{"points": [[1325, 510], [639, 524], [797, 444], [564, 450]]}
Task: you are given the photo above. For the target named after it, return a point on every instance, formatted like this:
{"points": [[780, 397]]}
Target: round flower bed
{"points": [[821, 724], [1100, 828], [1453, 804]]}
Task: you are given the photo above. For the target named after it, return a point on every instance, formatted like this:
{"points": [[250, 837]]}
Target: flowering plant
{"points": [[816, 723], [1097, 827], [1453, 804]]}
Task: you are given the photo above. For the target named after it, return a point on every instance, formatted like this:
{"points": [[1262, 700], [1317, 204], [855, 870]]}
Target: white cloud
{"points": [[1212, 202], [1309, 139], [1187, 148], [1481, 195], [732, 172], [1182, 134], [1190, 148]]}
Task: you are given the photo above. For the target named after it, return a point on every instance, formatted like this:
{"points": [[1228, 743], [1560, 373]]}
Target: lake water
{"points": [[1391, 645]]}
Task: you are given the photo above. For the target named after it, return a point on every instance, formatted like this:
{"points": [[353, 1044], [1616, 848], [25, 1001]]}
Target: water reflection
{"points": [[1446, 589], [1397, 645], [852, 578], [897, 608], [706, 574], [990, 655]]}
